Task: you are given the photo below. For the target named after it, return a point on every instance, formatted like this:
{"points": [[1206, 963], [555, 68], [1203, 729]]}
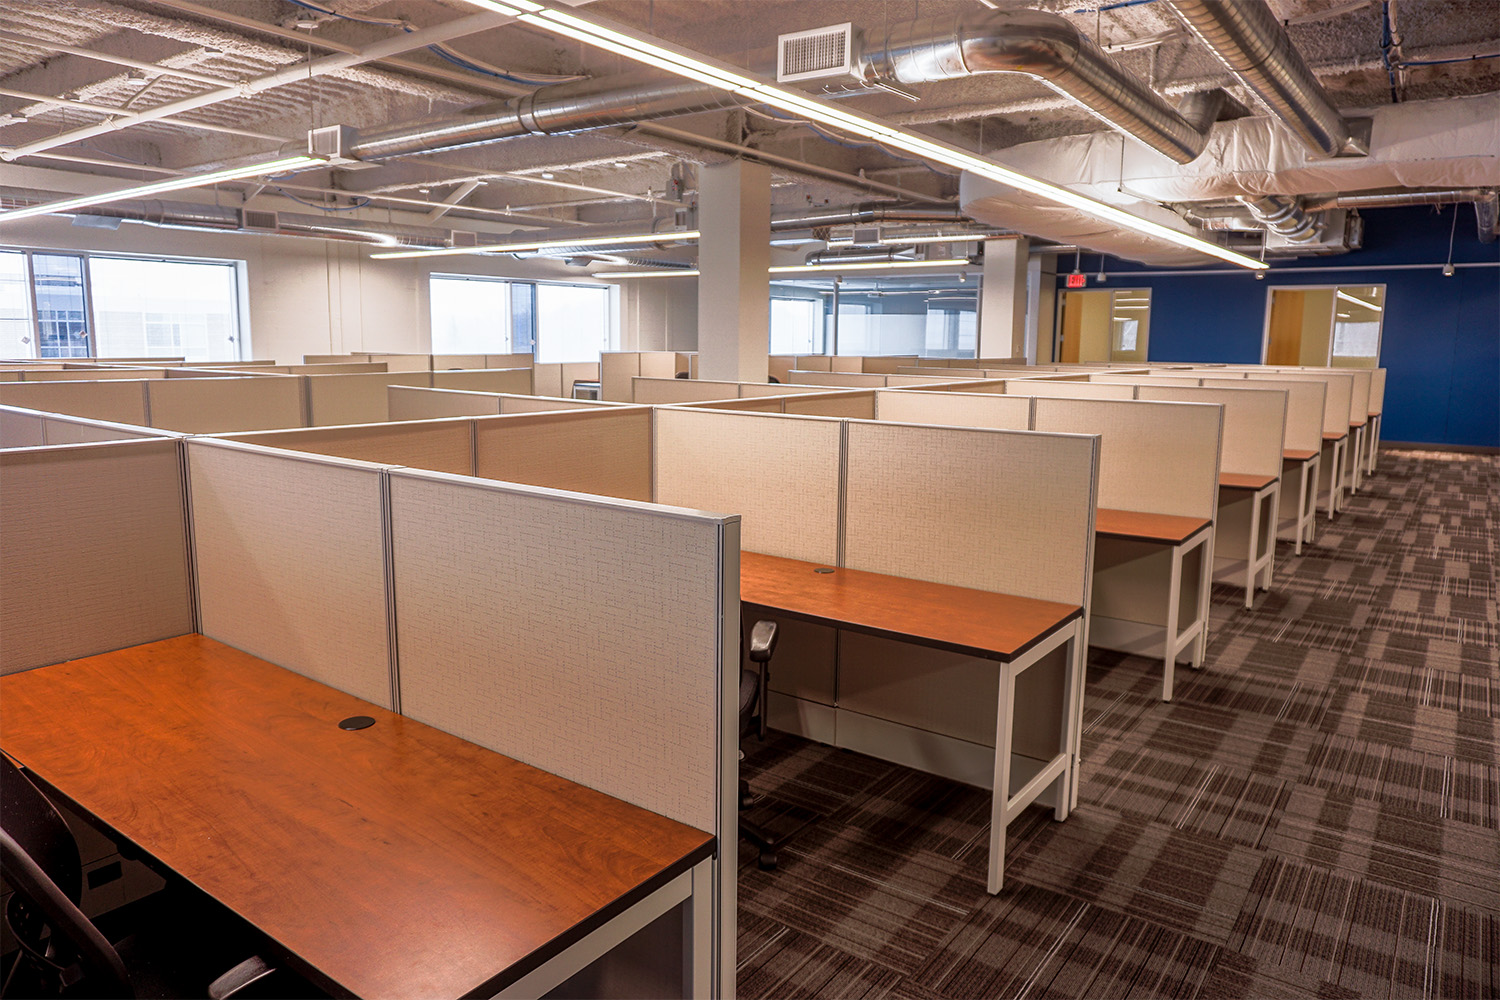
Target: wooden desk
{"points": [[1131, 629], [1014, 632], [1255, 536], [1301, 466], [391, 861]]}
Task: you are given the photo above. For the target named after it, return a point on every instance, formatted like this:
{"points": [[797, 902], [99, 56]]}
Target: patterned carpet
{"points": [[1316, 814]]}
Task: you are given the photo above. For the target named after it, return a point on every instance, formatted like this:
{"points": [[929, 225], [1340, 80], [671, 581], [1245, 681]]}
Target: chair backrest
{"points": [[41, 862]]}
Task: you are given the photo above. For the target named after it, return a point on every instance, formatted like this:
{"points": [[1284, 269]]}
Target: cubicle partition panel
{"points": [[1065, 389], [1377, 410], [914, 406], [778, 389], [442, 362], [603, 450], [406, 362], [759, 404], [979, 385], [616, 369], [1114, 378], [290, 551], [838, 379], [778, 365], [887, 364], [859, 404], [437, 445], [61, 429], [780, 473], [547, 380], [1254, 423], [517, 380], [595, 639], [211, 406], [93, 374], [508, 361], [1338, 404], [335, 400], [413, 403], [512, 403], [943, 378], [655, 391], [23, 428], [93, 550], [122, 402], [1304, 408], [811, 363]]}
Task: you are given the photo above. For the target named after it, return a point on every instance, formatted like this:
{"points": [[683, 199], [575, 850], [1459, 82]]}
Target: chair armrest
{"points": [[762, 641], [251, 970]]}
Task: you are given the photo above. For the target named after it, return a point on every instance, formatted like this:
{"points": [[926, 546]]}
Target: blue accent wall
{"points": [[1440, 345]]}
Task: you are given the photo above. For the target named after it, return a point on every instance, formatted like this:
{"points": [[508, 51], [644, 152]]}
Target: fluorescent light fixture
{"points": [[1359, 302], [686, 236], [965, 238], [160, 187], [713, 73], [800, 268]]}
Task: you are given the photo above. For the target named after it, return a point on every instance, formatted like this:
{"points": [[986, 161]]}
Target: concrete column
{"points": [[1002, 299], [734, 288], [1041, 307]]}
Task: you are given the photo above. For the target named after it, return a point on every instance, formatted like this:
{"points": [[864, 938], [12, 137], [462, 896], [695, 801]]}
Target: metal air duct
{"points": [[1254, 46], [1283, 216], [1043, 45]]}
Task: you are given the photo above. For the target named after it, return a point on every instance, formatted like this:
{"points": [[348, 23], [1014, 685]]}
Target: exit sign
{"points": [[1077, 280]]}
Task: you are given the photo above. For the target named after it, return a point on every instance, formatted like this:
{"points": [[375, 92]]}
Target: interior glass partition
{"points": [[928, 315], [1104, 325], [1336, 326]]}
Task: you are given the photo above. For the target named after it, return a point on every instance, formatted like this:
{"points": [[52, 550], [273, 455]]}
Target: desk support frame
{"points": [[1336, 447], [1260, 558], [1373, 445], [1304, 528]]}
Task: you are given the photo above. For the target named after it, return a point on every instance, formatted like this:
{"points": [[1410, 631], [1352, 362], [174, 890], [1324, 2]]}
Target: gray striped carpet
{"points": [[1316, 814]]}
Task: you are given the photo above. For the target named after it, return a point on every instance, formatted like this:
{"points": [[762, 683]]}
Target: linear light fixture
{"points": [[1339, 292], [716, 74], [686, 236], [879, 265], [160, 187]]}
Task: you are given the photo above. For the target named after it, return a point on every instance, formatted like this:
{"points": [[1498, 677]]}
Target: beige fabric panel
{"points": [[412, 403], [1004, 511], [1068, 390], [851, 380], [358, 398], [343, 368], [95, 374], [1179, 380], [586, 643], [517, 380], [118, 402], [435, 445], [887, 364], [508, 361], [578, 371], [663, 364], [212, 406], [20, 428], [684, 361], [984, 385], [291, 563], [778, 389], [93, 554], [779, 473], [1156, 458], [332, 359], [1254, 423], [404, 362], [616, 369], [1304, 408], [76, 430], [222, 371], [1377, 390], [1336, 401], [603, 450], [441, 362], [680, 390], [949, 371], [10, 376], [759, 404], [860, 405], [953, 409], [546, 380], [812, 363], [1359, 406], [778, 365], [846, 363], [548, 404]]}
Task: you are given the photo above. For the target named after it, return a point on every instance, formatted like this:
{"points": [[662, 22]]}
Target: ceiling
{"points": [[66, 65]]}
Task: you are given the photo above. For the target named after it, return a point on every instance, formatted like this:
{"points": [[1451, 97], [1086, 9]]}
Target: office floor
{"points": [[1316, 814]]}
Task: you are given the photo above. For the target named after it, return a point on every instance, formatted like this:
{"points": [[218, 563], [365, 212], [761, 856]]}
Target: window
{"points": [[1335, 326], [796, 325], [556, 322], [114, 307], [470, 315], [952, 327], [1105, 325], [165, 309], [572, 322]]}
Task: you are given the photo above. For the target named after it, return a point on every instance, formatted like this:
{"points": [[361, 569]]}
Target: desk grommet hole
{"points": [[823, 569], [355, 722]]}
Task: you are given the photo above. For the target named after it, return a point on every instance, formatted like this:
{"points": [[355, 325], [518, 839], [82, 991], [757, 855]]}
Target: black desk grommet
{"points": [[823, 569], [356, 722]]}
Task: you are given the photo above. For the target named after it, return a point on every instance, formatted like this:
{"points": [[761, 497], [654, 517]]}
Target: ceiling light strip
{"points": [[803, 268], [685, 236], [712, 73], [161, 187]]}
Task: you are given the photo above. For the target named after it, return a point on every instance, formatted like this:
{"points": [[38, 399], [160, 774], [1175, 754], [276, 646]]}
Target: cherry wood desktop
{"points": [[1173, 529], [1016, 633], [1244, 481], [395, 860]]}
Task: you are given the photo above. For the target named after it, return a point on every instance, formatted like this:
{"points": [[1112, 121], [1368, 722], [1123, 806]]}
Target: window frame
{"points": [[611, 305], [1271, 290]]}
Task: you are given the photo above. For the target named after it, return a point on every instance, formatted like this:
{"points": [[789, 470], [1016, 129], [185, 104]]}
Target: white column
{"points": [[734, 289], [1041, 307], [1002, 305]]}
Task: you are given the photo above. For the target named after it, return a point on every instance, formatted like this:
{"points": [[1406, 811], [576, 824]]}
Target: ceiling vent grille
{"points": [[462, 238], [815, 54], [258, 220]]}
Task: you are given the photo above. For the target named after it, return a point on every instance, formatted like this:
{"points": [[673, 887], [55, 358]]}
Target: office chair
{"points": [[754, 694], [61, 952]]}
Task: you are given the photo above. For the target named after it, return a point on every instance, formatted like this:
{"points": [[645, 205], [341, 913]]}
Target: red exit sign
{"points": [[1077, 280]]}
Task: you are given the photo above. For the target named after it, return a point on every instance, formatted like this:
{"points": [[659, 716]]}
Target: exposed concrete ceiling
{"points": [[66, 64]]}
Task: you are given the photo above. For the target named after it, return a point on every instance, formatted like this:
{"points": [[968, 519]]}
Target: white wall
{"points": [[659, 314], [306, 296]]}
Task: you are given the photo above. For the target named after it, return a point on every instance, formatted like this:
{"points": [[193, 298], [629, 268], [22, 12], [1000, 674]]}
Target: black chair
{"points": [[63, 953], [753, 700]]}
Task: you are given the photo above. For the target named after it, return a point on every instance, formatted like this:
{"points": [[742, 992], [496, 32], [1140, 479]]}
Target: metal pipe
{"points": [[1249, 40], [1283, 216], [1487, 216], [866, 214], [104, 109], [890, 255], [1398, 198], [298, 73]]}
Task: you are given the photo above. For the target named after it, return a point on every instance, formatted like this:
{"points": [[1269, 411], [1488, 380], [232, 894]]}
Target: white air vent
{"points": [[462, 238], [815, 54], [258, 220], [333, 142]]}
